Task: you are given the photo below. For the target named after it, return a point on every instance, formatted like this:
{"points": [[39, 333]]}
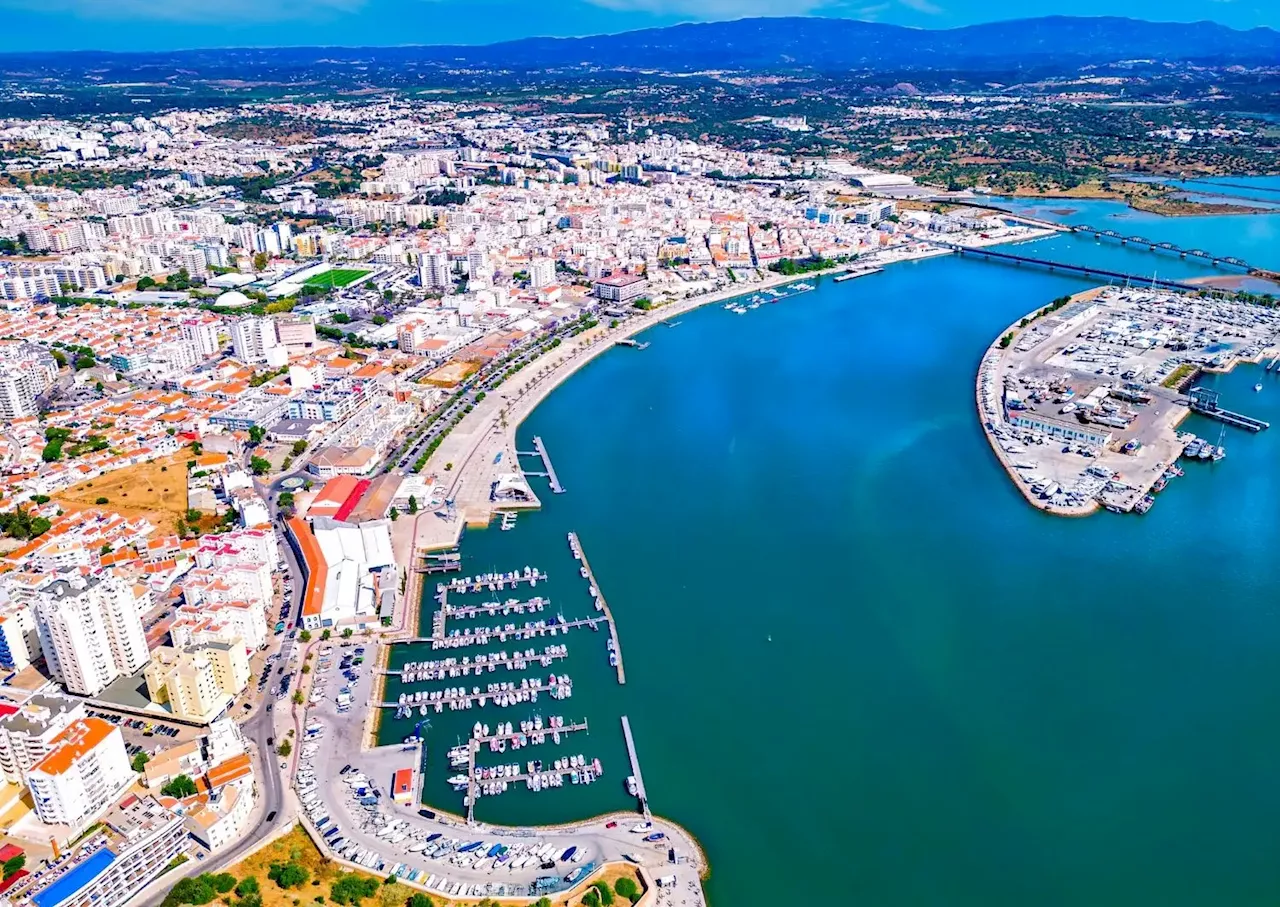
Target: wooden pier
{"points": [[491, 582], [485, 637], [440, 562], [461, 612], [641, 794], [461, 699], [575, 545], [567, 729], [451, 668], [540, 451]]}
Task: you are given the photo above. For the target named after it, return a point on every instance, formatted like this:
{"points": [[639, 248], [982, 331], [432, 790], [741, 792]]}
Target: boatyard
{"points": [[1081, 400]]}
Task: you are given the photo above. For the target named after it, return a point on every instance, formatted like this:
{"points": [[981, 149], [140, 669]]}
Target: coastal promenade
{"points": [[483, 445]]}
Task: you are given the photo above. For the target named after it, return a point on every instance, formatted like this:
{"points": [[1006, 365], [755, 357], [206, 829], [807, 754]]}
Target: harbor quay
{"points": [[1081, 400]]}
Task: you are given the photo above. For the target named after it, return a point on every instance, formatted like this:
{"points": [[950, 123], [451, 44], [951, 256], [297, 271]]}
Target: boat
{"points": [[632, 788], [568, 854], [631, 858], [656, 836], [1257, 387], [1193, 448], [1218, 451]]}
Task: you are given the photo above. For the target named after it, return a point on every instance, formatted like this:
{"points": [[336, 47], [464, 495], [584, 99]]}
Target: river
{"points": [[859, 667]]}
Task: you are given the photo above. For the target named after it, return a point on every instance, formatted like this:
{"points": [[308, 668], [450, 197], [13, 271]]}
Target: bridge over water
{"points": [[1066, 268], [1166, 247]]}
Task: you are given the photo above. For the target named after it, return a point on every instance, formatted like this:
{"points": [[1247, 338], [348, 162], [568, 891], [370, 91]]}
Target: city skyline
{"points": [[145, 26]]}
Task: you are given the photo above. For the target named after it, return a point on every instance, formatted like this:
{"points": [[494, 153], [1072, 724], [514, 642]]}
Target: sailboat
{"points": [[1219, 452]]}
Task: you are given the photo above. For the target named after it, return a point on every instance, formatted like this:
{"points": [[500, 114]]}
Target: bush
{"points": [[13, 864], [223, 882], [139, 760], [249, 885], [101, 501], [349, 888], [627, 888], [288, 875], [606, 893]]}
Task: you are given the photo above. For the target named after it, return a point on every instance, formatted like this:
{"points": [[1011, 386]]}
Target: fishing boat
{"points": [[568, 854], [656, 836]]}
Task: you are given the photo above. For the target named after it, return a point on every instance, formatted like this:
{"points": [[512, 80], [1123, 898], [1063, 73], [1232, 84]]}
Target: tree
{"points": [[299, 447], [297, 697], [139, 760], [256, 434], [60, 358], [223, 882], [259, 466], [285, 748], [191, 891], [606, 893], [181, 786], [84, 361], [347, 632], [305, 636], [260, 261], [627, 888], [101, 501], [393, 515], [413, 504], [288, 875], [145, 282], [349, 888], [248, 885], [14, 863], [417, 899], [325, 634]]}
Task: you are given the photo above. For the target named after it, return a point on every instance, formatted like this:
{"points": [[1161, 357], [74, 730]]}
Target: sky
{"points": [[33, 25]]}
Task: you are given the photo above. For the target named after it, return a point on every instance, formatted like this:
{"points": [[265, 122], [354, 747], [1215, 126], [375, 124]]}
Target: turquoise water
{"points": [[860, 668]]}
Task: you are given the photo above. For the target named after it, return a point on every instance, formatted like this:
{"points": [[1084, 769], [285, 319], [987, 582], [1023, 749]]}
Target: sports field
{"points": [[338, 277]]}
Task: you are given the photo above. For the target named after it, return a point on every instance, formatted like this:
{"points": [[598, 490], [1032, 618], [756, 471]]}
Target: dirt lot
{"points": [[155, 490]]}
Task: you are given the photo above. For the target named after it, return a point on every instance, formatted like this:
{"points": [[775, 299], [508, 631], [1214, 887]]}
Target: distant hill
{"points": [[842, 44], [1048, 44]]}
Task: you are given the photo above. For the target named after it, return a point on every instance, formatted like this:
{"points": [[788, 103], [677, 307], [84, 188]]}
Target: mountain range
{"points": [[1061, 43]]}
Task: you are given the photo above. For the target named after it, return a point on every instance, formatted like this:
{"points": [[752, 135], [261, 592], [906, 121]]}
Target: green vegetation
{"points": [[285, 748], [1006, 340], [337, 277], [181, 786], [139, 761], [1178, 375], [288, 875], [626, 887], [259, 466], [349, 888], [13, 864], [789, 267], [202, 889]]}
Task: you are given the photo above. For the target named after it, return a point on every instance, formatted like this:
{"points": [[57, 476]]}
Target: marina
{"points": [[548, 471], [534, 605], [639, 791], [443, 669], [502, 695], [510, 632], [854, 274], [614, 647], [493, 582]]}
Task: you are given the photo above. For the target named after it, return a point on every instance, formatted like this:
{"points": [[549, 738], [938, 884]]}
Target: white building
{"points": [[202, 333], [89, 630], [542, 273], [86, 770], [26, 371], [27, 732], [255, 341], [433, 271]]}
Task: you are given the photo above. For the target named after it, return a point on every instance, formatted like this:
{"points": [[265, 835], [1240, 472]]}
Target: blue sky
{"points": [[164, 24]]}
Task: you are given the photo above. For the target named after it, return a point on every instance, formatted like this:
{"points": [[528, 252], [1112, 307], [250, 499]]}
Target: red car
{"points": [[611, 825]]}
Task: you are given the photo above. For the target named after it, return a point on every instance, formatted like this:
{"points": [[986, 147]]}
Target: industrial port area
{"points": [[1081, 400]]}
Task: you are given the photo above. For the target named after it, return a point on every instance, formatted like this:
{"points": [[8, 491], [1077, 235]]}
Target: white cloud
{"points": [[738, 9], [196, 11]]}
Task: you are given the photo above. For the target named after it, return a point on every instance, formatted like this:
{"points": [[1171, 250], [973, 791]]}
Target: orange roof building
{"points": [[85, 771]]}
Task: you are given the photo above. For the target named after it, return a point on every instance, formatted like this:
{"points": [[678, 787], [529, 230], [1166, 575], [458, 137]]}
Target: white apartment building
{"points": [[27, 732], [542, 273], [255, 341], [433, 271], [202, 333], [17, 627], [145, 838], [89, 630], [86, 770], [26, 371]]}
